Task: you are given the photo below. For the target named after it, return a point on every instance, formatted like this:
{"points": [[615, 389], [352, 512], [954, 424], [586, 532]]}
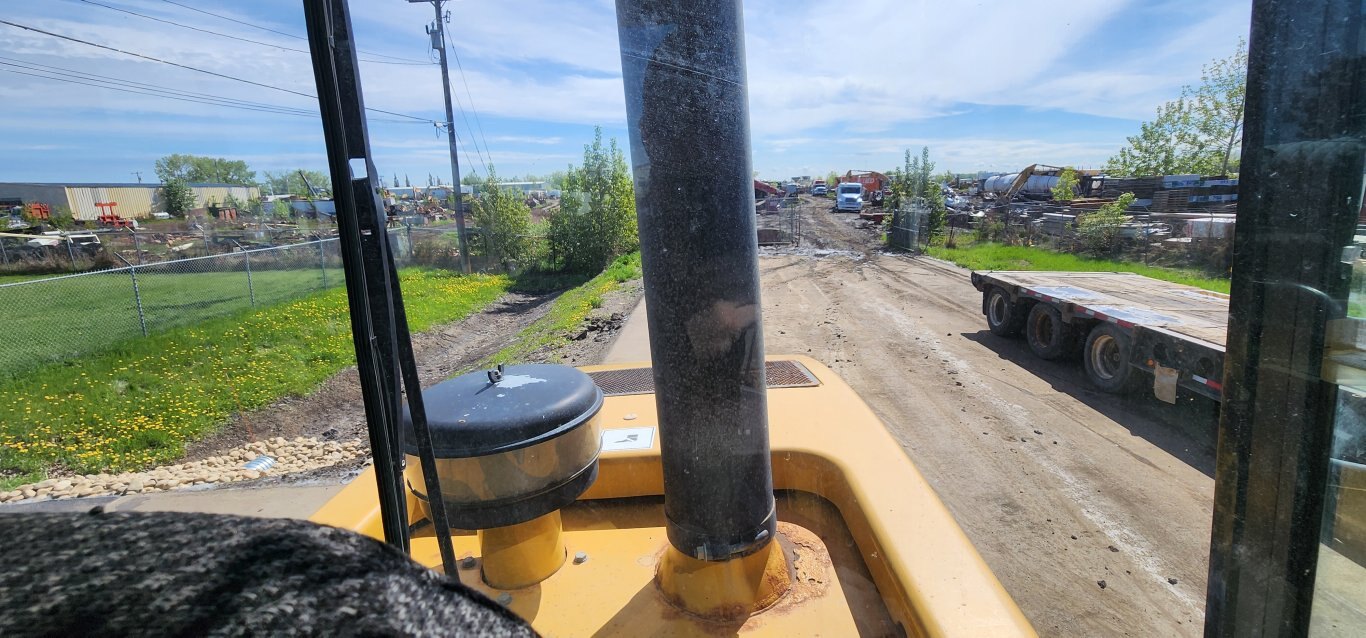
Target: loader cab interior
{"points": [[702, 491]]}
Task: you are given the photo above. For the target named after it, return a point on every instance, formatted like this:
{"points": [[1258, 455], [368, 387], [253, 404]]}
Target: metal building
{"points": [[131, 201]]}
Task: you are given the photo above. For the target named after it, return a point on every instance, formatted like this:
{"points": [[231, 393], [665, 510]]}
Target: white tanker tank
{"points": [[1036, 184]]}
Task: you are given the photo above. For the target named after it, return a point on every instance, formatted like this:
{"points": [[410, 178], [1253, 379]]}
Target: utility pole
{"points": [[437, 31]]}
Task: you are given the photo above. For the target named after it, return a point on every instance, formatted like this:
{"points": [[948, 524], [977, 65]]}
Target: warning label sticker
{"points": [[628, 439]]}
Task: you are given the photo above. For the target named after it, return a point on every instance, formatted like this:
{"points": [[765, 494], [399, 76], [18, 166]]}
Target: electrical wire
{"points": [[151, 93], [82, 75], [461, 68], [195, 69], [223, 35], [461, 109], [459, 144], [288, 35], [209, 100]]}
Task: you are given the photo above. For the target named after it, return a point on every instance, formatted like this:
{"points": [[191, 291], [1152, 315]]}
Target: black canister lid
{"points": [[480, 413]]}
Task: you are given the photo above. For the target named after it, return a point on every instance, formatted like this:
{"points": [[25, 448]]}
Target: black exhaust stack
{"points": [[683, 63]]}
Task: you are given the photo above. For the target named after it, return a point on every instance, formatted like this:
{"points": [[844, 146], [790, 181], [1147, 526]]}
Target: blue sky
{"points": [[834, 85]]}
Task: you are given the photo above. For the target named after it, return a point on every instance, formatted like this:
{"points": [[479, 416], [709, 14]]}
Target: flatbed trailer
{"points": [[1130, 331]]}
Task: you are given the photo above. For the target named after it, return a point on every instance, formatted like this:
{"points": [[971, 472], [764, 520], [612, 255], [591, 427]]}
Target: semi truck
{"points": [[1131, 332], [849, 197], [874, 184]]}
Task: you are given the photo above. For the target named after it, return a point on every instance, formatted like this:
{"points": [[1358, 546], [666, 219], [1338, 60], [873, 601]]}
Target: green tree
{"points": [[1066, 188], [280, 209], [831, 178], [289, 183], [177, 196], [1196, 133], [1099, 231], [199, 169], [556, 179], [503, 219], [597, 216], [913, 184], [406, 183]]}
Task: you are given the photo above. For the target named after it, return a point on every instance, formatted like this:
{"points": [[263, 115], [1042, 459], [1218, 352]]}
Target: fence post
{"points": [[246, 256], [3, 255], [70, 252], [137, 294], [322, 261], [137, 245], [410, 240]]}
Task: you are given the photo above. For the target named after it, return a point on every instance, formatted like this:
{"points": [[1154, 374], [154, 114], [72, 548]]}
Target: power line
{"points": [[110, 82], [461, 68], [150, 93], [224, 35], [461, 109], [467, 159], [169, 94], [195, 69], [288, 35], [82, 75]]}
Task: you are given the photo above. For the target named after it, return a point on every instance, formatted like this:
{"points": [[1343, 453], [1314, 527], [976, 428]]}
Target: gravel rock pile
{"points": [[298, 455]]}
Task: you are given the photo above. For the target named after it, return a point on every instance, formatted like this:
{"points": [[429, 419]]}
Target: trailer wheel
{"points": [[1005, 318], [1048, 335], [1106, 358]]}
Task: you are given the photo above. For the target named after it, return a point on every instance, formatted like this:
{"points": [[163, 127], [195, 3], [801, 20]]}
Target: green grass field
{"points": [[994, 256], [52, 320], [14, 279], [138, 401]]}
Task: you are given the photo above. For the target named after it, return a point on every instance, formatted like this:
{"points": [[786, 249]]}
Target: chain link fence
{"points": [[50, 319], [778, 221], [910, 227], [58, 318]]}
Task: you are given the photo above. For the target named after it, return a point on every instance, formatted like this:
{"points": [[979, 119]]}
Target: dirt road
{"points": [[1093, 511]]}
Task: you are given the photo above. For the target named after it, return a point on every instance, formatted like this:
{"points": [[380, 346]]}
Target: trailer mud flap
{"points": [[1164, 383]]}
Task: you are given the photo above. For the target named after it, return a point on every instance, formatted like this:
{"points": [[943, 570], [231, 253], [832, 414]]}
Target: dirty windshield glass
{"points": [[553, 298]]}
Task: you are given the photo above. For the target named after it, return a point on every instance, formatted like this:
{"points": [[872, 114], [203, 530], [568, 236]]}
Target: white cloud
{"points": [[870, 72]]}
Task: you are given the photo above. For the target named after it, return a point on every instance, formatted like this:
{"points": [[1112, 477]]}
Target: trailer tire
{"points": [[1005, 318], [1106, 359], [1048, 336]]}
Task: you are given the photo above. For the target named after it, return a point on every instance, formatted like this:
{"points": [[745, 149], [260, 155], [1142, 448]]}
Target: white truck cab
{"points": [[849, 197]]}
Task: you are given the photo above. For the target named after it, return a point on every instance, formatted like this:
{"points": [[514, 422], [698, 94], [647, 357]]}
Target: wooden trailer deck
{"points": [[1128, 298]]}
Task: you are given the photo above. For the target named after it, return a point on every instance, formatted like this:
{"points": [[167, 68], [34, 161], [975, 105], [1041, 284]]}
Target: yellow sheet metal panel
{"points": [[82, 200], [218, 194], [134, 202], [131, 202]]}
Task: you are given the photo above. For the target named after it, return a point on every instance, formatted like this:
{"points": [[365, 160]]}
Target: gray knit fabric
{"points": [[177, 574]]}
